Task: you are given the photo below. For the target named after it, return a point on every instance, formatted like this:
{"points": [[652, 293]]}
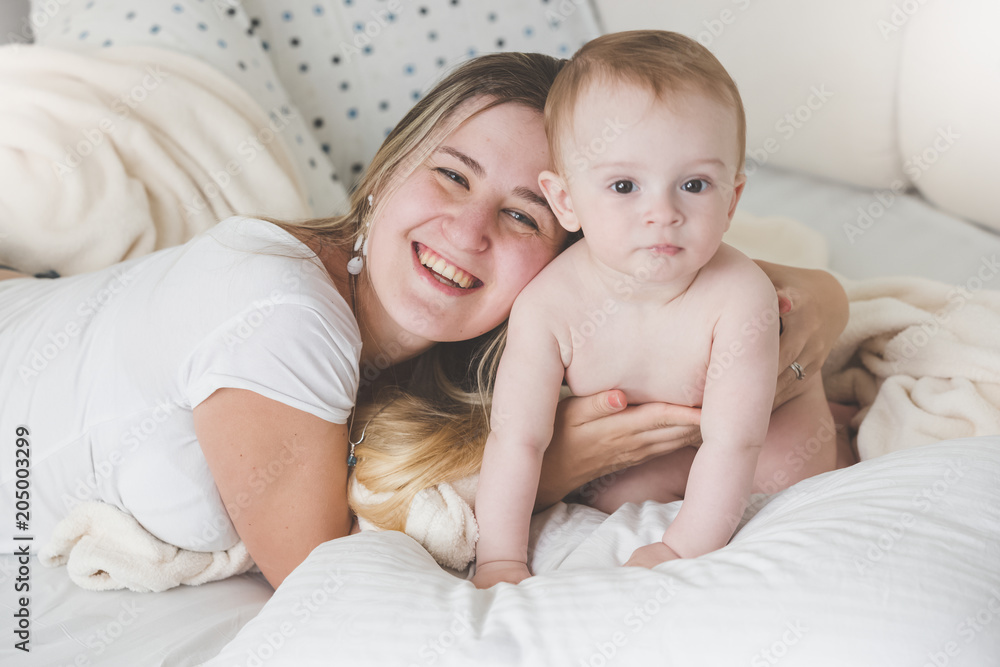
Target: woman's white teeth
{"points": [[445, 270]]}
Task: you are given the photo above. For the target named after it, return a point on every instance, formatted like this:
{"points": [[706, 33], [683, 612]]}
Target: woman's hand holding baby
{"points": [[600, 434], [814, 311]]}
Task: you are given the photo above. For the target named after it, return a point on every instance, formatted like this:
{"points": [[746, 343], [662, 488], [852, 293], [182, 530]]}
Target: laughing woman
{"points": [[208, 389]]}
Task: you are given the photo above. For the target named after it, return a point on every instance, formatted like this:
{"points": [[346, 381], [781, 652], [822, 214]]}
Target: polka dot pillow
{"points": [[342, 71], [354, 67]]}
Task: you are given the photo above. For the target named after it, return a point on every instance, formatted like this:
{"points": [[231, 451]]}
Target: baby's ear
{"points": [[740, 183], [557, 194]]}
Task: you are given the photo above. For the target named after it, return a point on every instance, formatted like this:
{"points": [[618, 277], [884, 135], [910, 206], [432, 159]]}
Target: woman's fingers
{"points": [[654, 416], [643, 432], [576, 411]]}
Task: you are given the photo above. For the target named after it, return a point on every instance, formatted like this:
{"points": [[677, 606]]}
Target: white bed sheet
{"points": [[186, 626], [909, 238]]}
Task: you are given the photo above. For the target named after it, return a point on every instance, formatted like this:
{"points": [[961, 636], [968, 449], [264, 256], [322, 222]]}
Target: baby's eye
{"points": [[695, 185], [623, 187]]}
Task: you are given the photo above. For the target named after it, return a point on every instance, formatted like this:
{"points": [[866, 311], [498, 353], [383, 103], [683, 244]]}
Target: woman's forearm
{"points": [[814, 315], [6, 274]]}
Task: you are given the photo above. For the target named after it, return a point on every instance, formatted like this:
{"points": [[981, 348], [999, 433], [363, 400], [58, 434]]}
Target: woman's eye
{"points": [[453, 176], [523, 219], [623, 187], [695, 185]]}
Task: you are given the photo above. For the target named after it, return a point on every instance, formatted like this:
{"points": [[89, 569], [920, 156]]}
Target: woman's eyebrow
{"points": [[532, 197], [469, 162], [521, 191]]}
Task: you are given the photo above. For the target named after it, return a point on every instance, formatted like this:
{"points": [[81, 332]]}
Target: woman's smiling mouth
{"points": [[445, 272]]}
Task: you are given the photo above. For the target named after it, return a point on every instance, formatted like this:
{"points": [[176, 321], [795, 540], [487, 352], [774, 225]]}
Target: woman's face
{"points": [[466, 231]]}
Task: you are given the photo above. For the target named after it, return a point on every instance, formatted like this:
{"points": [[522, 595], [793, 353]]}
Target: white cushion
{"points": [[890, 562], [949, 95], [818, 80]]}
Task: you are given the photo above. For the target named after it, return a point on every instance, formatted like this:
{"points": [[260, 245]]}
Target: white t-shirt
{"points": [[105, 368]]}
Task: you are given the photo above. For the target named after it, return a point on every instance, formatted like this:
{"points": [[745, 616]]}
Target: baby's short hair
{"points": [[659, 61]]}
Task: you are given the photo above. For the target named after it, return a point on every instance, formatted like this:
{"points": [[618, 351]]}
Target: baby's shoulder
{"points": [[735, 277], [553, 292]]}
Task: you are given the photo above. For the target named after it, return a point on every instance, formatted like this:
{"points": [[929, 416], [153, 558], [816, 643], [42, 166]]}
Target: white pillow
{"points": [[893, 561], [948, 99], [818, 79]]}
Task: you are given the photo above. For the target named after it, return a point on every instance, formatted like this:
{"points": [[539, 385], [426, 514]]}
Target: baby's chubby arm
{"points": [[736, 410], [524, 405]]}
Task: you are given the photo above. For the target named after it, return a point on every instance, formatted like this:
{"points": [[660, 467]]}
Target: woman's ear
{"points": [[741, 182], [557, 194]]}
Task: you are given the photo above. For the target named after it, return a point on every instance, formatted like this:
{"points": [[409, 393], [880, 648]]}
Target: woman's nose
{"points": [[469, 227]]}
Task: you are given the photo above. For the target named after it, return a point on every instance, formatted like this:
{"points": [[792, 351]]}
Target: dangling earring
{"points": [[356, 263]]}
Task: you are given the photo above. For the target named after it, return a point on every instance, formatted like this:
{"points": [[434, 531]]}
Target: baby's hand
{"points": [[492, 573], [651, 554]]}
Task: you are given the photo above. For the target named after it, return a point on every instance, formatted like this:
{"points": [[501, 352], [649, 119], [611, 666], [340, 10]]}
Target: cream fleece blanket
{"points": [[112, 155], [105, 549], [921, 358]]}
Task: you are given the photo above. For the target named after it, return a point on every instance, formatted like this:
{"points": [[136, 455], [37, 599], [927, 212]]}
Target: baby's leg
{"points": [[663, 479], [801, 441]]}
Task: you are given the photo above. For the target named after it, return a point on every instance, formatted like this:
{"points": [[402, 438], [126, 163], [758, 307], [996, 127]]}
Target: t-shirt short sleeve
{"points": [[298, 350]]}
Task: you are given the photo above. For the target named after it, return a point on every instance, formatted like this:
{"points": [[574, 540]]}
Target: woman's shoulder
{"points": [[258, 259]]}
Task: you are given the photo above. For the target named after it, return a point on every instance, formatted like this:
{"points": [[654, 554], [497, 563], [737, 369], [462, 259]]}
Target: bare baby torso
{"points": [[614, 336]]}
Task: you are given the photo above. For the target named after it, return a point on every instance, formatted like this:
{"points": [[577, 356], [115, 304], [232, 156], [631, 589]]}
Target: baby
{"points": [[647, 132]]}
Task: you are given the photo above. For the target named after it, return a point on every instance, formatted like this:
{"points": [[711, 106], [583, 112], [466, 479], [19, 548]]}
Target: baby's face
{"points": [[653, 184]]}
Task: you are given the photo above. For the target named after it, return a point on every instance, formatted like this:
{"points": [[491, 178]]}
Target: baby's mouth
{"points": [[446, 273]]}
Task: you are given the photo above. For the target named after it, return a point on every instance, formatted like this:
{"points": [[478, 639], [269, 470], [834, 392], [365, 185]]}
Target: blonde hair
{"points": [[434, 430], [659, 61]]}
